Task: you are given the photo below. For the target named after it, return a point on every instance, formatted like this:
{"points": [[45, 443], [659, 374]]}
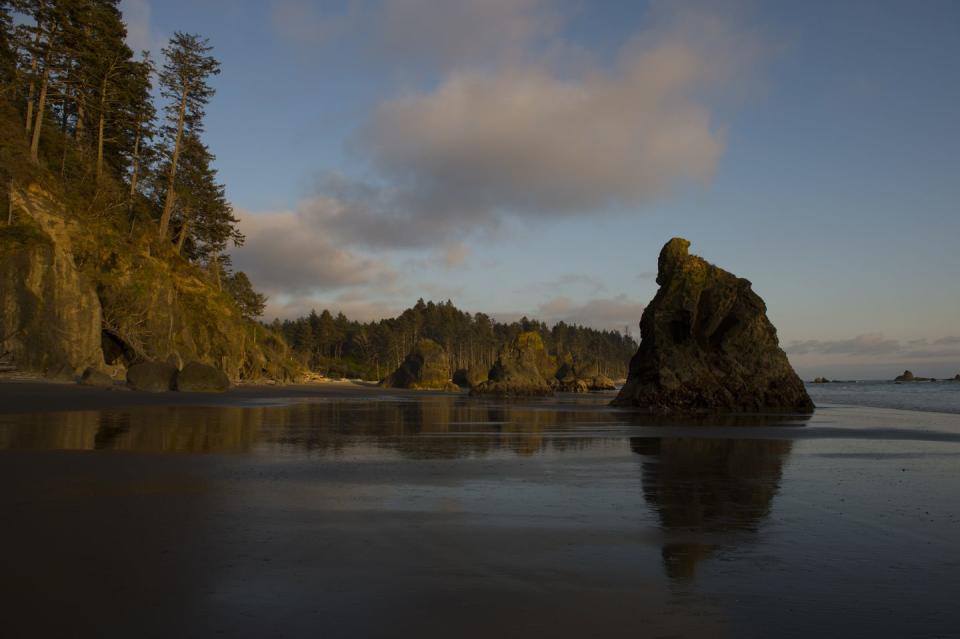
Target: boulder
{"points": [[197, 377], [707, 345], [906, 377], [601, 383], [425, 368], [95, 377], [517, 371], [820, 380], [154, 377], [956, 377]]}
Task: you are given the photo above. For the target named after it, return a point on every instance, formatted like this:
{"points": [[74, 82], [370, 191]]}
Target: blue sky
{"points": [[531, 157]]}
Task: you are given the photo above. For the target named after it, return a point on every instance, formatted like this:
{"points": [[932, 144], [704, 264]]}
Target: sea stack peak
{"points": [[707, 345], [672, 256]]}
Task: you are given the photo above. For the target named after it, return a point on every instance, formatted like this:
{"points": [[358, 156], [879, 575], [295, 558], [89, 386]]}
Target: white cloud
{"points": [[290, 253], [611, 313]]}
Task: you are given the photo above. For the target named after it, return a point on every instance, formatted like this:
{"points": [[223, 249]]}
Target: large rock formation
{"points": [[49, 312], [517, 371], [425, 368], [707, 345], [70, 300]]}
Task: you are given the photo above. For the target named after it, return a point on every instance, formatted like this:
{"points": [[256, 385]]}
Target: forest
{"points": [[336, 346], [95, 134]]}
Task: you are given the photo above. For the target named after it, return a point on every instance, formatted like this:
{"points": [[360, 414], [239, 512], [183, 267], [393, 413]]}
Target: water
{"points": [[425, 515], [941, 397]]}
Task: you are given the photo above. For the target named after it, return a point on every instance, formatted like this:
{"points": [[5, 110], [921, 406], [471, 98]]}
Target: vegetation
{"points": [[337, 346], [85, 101], [138, 203]]}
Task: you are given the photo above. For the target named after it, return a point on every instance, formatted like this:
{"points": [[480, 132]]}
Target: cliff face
{"points": [[707, 345], [49, 312], [68, 301]]}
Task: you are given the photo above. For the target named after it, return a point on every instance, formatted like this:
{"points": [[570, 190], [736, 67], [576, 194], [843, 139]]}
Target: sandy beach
{"points": [[342, 511]]}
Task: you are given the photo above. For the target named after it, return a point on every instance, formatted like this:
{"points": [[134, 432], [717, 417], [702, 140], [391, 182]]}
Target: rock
{"points": [[425, 368], [469, 377], [821, 380], [94, 377], [956, 377], [573, 385], [601, 383], [707, 345], [516, 373], [197, 377], [906, 377], [49, 312], [154, 377]]}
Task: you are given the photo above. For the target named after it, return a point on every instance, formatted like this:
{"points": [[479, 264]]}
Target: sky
{"points": [[530, 157]]}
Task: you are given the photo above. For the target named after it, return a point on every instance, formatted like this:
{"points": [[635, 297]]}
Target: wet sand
{"points": [[339, 511]]}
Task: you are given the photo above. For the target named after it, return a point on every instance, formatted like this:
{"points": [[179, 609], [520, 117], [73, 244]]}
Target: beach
{"points": [[341, 510]]}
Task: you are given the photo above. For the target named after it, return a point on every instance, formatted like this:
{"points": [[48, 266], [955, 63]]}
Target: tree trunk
{"points": [[33, 81], [100, 126], [38, 124], [171, 180], [183, 235], [135, 166]]}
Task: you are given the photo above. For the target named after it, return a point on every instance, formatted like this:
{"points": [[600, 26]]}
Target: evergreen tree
{"points": [[184, 82]]}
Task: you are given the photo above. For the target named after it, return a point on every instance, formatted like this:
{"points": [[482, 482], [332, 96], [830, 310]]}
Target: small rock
{"points": [[197, 377]]}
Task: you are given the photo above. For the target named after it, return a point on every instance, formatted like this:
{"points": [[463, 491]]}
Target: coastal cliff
{"points": [[69, 301]]}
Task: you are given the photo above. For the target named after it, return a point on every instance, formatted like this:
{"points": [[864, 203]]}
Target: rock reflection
{"points": [[705, 489]]}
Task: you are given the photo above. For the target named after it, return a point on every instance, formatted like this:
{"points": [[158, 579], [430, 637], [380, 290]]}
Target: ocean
{"points": [[937, 397]]}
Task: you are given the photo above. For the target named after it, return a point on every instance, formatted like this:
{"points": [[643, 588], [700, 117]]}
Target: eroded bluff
{"points": [[707, 345]]}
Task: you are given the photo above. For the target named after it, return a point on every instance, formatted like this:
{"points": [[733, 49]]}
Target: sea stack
{"points": [[425, 368], [518, 370], [706, 345]]}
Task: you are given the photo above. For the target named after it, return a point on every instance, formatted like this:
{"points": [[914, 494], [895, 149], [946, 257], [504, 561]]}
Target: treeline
{"points": [[336, 346], [87, 115]]}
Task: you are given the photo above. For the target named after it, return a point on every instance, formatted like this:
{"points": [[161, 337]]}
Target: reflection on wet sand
{"points": [[703, 489], [437, 428]]}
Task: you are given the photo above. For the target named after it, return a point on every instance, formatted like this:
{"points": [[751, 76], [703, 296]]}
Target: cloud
{"points": [[867, 344], [877, 345], [456, 33], [536, 140], [411, 34], [612, 313], [289, 253]]}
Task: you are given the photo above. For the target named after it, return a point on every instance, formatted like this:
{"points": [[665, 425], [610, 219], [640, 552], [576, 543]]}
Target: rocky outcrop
{"points": [[94, 377], [910, 377], [153, 377], [601, 383], [197, 377], [116, 304], [707, 345], [425, 368], [517, 371]]}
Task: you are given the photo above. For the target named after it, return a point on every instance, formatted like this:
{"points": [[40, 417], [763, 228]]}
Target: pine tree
{"points": [[184, 82]]}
